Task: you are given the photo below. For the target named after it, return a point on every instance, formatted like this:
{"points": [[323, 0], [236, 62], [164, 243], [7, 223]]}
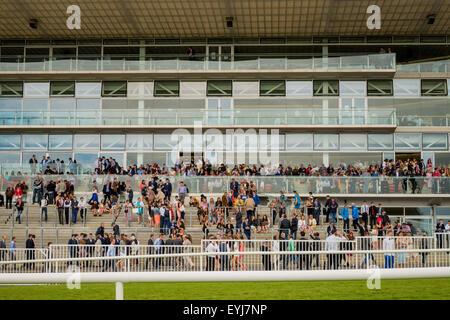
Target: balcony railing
{"points": [[265, 184], [190, 117], [441, 66], [199, 63], [423, 121]]}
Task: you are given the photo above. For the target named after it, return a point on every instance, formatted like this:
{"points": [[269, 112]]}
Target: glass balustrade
{"points": [[189, 117], [264, 184], [202, 63], [441, 66]]}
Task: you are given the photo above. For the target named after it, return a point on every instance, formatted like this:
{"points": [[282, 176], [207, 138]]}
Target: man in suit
{"points": [[330, 228], [303, 260], [167, 189], [150, 250], [234, 187], [29, 245], [440, 229], [365, 213], [107, 191], [90, 242], [2, 249], [373, 214], [327, 208], [333, 209], [363, 228]]}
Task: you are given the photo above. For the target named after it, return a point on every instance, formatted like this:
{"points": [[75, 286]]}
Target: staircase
{"points": [[52, 231]]}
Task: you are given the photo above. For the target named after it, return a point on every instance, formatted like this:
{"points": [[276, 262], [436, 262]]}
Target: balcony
{"points": [[163, 66], [427, 67], [175, 118], [266, 185]]}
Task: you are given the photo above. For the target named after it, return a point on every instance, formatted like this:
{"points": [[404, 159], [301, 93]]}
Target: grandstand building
{"points": [[135, 71]]}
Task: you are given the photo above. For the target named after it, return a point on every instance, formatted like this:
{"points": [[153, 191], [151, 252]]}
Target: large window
{"points": [[62, 88], [272, 88], [352, 88], [269, 142], [141, 142], [11, 89], [164, 142], [245, 89], [140, 90], [10, 157], [36, 89], [434, 141], [86, 159], [86, 142], [34, 142], [406, 87], [379, 88], [88, 89], [114, 89], [432, 87], [219, 88], [9, 142], [299, 88], [165, 88], [353, 142], [326, 87], [407, 141], [113, 141], [60, 142], [381, 141], [194, 89], [300, 141], [326, 142]]}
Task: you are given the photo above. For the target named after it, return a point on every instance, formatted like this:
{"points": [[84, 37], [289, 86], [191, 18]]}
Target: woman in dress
{"points": [[156, 215], [187, 242], [402, 244], [265, 224], [140, 211], [101, 208]]}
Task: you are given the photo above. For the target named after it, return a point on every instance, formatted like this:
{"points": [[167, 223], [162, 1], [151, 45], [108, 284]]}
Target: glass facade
{"points": [[321, 112]]}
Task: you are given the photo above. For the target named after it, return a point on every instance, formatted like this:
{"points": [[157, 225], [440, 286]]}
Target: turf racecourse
{"points": [[411, 289]]}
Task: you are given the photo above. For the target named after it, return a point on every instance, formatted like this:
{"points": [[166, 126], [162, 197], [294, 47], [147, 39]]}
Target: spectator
{"points": [[19, 206]]}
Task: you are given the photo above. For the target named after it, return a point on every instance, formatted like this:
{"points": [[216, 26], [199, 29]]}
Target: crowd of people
{"points": [[388, 167]]}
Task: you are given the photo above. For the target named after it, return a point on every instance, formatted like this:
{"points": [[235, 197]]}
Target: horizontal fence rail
{"points": [[265, 255]]}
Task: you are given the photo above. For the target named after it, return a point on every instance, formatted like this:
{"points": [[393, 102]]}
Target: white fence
{"points": [[189, 263], [265, 255]]}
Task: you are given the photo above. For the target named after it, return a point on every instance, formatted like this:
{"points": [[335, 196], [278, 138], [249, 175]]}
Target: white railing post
{"points": [[119, 290]]}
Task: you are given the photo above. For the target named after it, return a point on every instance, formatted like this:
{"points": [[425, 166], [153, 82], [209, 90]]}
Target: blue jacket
{"points": [[355, 212], [256, 199], [344, 213]]}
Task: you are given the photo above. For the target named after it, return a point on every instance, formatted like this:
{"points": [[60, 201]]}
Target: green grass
{"points": [[411, 289]]}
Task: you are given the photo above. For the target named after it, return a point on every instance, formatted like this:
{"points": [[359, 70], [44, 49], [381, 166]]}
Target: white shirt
{"points": [[43, 202], [212, 248], [447, 227], [364, 209], [301, 224], [82, 204], [332, 243], [388, 244]]}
